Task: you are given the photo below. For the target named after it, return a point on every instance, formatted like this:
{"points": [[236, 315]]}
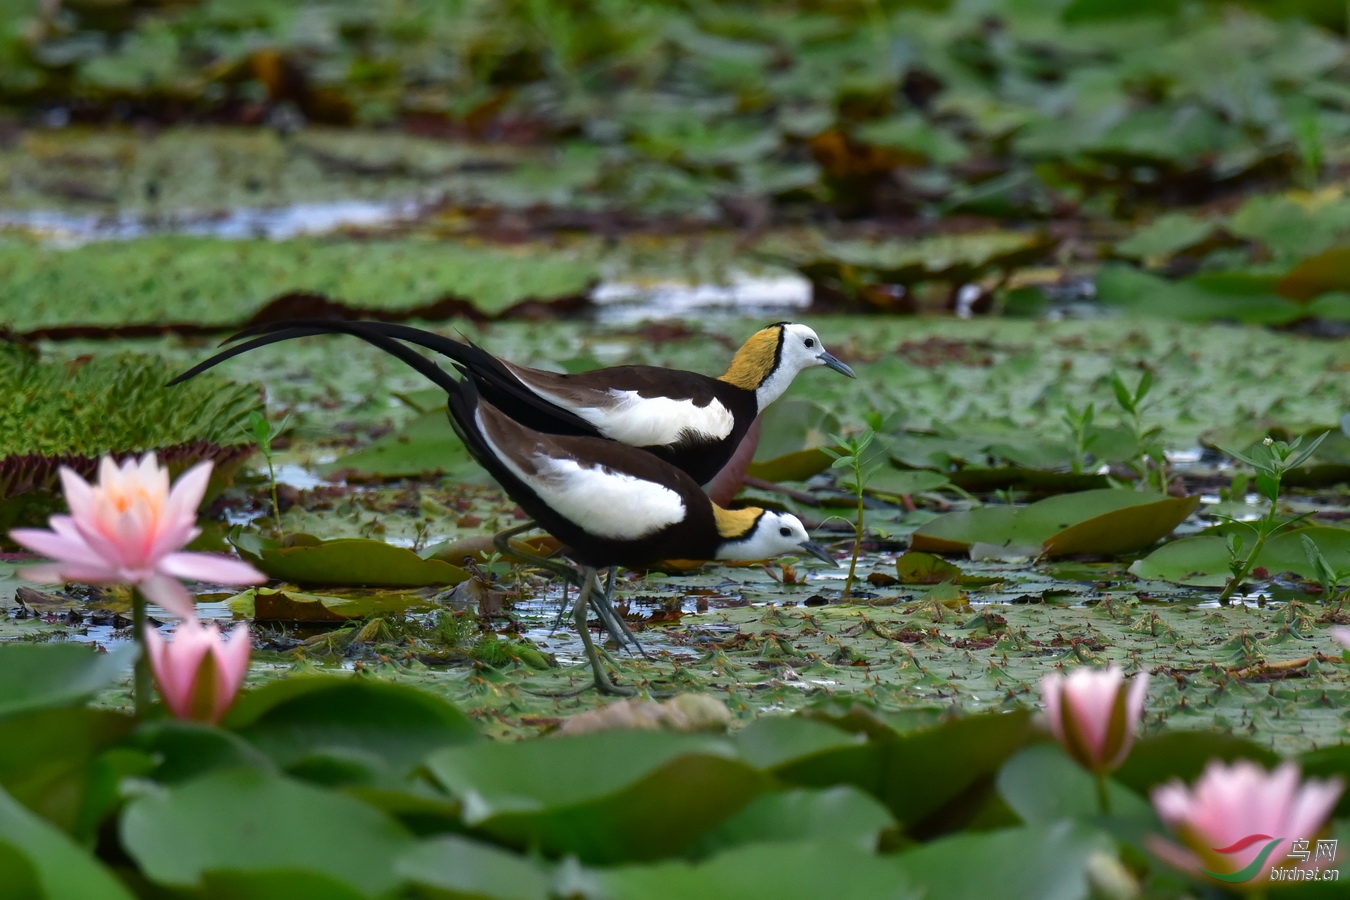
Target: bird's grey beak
{"points": [[833, 362], [818, 551]]}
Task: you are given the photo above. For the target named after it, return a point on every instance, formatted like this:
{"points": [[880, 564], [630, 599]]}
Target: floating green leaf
{"points": [[42, 676], [53, 861], [1204, 560], [801, 871], [606, 797], [453, 866], [792, 433], [200, 282], [1102, 522], [305, 559], [424, 446], [387, 728], [260, 824], [1048, 862]]}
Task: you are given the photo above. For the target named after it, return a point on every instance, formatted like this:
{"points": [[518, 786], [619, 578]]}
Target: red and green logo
{"points": [[1247, 872]]}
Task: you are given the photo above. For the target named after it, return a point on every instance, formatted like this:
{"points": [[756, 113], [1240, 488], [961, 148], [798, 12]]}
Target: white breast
{"points": [[658, 421], [604, 503]]}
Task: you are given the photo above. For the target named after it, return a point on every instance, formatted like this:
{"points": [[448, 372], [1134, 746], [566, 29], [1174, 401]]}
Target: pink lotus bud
{"points": [[1094, 714], [1240, 820], [1341, 635], [200, 672], [130, 528]]}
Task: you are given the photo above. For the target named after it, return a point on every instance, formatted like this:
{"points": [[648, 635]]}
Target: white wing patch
{"points": [[606, 504], [656, 421]]}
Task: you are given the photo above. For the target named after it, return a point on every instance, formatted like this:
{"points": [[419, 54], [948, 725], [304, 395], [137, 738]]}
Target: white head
{"points": [[795, 347], [773, 534]]}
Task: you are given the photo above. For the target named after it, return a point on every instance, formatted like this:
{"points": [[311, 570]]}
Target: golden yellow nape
{"points": [[735, 523], [755, 360]]}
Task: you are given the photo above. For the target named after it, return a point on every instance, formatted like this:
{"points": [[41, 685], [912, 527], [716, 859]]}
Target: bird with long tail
{"points": [[608, 503]]}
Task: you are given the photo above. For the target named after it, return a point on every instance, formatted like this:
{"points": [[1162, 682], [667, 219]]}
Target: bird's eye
{"points": [[785, 531], [810, 342]]}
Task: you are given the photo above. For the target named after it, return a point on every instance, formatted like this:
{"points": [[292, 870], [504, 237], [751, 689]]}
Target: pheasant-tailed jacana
{"points": [[692, 421], [608, 503], [611, 504]]}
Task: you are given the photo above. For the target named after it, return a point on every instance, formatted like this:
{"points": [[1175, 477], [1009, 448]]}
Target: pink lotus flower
{"points": [[1228, 821], [200, 673], [1093, 714], [130, 528]]}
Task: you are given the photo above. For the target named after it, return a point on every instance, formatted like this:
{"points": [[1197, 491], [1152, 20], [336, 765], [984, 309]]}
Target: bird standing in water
{"points": [[609, 503]]}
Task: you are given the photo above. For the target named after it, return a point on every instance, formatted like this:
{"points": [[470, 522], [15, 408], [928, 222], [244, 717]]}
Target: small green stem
{"points": [[141, 686], [857, 531], [1247, 564], [1103, 795], [276, 506]]}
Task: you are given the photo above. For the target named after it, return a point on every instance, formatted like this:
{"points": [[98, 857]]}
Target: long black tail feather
{"points": [[285, 331], [493, 379]]}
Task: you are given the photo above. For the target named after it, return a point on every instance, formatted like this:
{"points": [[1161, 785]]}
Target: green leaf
{"points": [[792, 441], [904, 482], [1165, 237], [41, 676], [840, 814], [1203, 298], [1203, 560], [280, 605], [803, 871], [1101, 522], [389, 727], [183, 750], [305, 559], [424, 446], [772, 742], [1048, 862], [452, 866], [252, 823], [606, 797], [1043, 785], [914, 567], [59, 866], [205, 282], [1321, 274], [967, 750], [47, 760]]}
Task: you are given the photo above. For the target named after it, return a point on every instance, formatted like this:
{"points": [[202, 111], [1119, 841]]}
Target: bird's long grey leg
{"points": [[603, 684]]}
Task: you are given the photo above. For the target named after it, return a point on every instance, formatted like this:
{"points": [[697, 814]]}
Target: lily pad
{"points": [[795, 871], [464, 868], [1102, 522], [305, 559], [261, 823], [195, 283], [1327, 271], [792, 433], [280, 605], [387, 728], [606, 797], [915, 567], [43, 676], [425, 446], [1204, 560], [53, 862]]}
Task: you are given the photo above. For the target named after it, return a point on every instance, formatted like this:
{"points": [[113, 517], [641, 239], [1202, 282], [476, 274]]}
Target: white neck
{"points": [[774, 386]]}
